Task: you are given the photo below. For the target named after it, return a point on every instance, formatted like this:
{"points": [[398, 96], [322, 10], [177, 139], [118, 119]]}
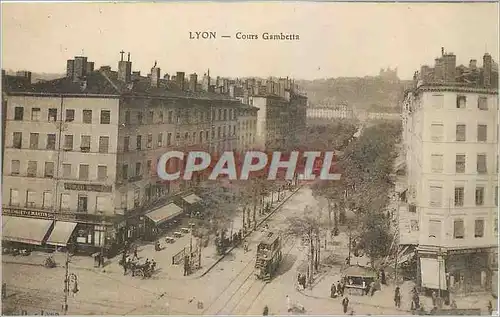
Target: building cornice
{"points": [[442, 88], [44, 94]]}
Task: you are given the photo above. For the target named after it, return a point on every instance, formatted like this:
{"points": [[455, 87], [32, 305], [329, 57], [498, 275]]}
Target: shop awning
{"points": [[431, 269], [61, 233], [25, 230], [192, 199], [164, 213]]}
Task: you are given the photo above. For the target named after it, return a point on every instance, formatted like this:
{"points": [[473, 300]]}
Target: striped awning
{"points": [[61, 233]]}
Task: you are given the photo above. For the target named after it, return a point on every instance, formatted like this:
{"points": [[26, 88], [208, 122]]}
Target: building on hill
{"points": [[81, 151], [450, 121]]}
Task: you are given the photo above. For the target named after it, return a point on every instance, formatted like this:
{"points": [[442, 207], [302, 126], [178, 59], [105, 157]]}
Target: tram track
{"points": [[242, 286]]}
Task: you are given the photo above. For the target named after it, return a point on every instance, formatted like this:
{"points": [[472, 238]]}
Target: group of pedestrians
{"points": [[337, 289]]}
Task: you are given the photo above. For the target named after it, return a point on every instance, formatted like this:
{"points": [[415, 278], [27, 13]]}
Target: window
{"points": [[437, 132], [478, 228], [102, 204], [437, 163], [35, 114], [17, 140], [437, 101], [186, 136], [137, 197], [102, 172], [150, 141], [138, 169], [218, 132], [125, 171], [85, 143], [30, 198], [435, 229], [234, 130], [52, 117], [139, 143], [460, 132], [225, 114], [461, 102], [15, 167], [87, 116], [127, 117], [139, 117], [206, 135], [481, 133], [14, 197], [495, 227], [200, 139], [83, 173], [47, 200], [160, 114], [458, 229], [219, 115], [68, 142], [126, 144], [213, 133], [65, 201], [49, 169], [33, 141], [32, 167], [150, 117], [103, 144], [18, 113], [481, 163], [482, 103], [66, 170], [193, 139], [70, 115], [160, 140], [51, 141], [170, 117], [148, 167], [479, 196], [82, 203], [436, 196], [169, 139], [459, 196], [105, 117], [460, 163]]}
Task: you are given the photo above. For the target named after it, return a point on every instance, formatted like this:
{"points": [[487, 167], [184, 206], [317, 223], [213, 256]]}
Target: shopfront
{"points": [[192, 205], [25, 231], [469, 270], [161, 219]]}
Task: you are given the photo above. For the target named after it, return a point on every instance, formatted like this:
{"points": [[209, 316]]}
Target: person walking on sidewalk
{"points": [[303, 280], [333, 291], [339, 289], [266, 311], [345, 304], [397, 297]]}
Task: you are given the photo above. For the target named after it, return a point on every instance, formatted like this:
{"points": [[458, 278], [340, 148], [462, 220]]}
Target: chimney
{"points": [[124, 69], [70, 68], [90, 67], [179, 78], [24, 75], [79, 68], [450, 67], [136, 75], [193, 82], [487, 68], [155, 77], [439, 70], [473, 64], [442, 51]]}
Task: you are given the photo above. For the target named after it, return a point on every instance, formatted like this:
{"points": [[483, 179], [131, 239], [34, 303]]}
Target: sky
{"points": [[335, 39]]}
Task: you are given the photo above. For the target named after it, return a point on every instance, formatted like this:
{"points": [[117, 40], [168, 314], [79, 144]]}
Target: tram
{"points": [[269, 256]]}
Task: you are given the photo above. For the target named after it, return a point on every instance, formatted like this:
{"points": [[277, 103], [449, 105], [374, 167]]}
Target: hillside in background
{"points": [[36, 77], [369, 93]]}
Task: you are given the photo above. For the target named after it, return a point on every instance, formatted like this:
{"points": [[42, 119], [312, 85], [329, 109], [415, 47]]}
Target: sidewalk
{"points": [[163, 258]]}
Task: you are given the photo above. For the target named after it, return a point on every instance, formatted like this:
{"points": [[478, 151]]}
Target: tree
{"points": [[375, 237], [308, 227]]}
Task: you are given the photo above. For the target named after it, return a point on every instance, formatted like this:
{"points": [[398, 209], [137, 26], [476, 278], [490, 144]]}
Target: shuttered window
{"points": [[478, 228], [436, 193], [458, 229]]}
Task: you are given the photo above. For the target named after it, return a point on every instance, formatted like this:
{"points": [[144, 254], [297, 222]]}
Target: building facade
{"points": [[83, 149], [451, 145]]}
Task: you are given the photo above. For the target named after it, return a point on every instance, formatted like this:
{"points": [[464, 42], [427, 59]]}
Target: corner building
{"points": [[450, 120], [81, 151]]}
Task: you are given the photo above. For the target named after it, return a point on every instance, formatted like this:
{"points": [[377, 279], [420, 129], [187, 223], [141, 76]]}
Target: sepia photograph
{"points": [[253, 158]]}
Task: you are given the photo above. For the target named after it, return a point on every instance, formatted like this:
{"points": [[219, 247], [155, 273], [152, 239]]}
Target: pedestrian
{"points": [[345, 304], [365, 288], [372, 288], [339, 289], [453, 304], [266, 311], [490, 308], [333, 291], [186, 265], [153, 265], [397, 297], [288, 304], [135, 253], [434, 299], [303, 281], [382, 277], [125, 267]]}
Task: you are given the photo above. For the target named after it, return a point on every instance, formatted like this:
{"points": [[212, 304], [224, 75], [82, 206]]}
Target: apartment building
{"points": [[450, 120], [81, 151], [336, 112]]}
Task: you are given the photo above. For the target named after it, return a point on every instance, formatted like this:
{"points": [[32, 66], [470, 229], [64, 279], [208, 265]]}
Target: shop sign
{"points": [[27, 213], [467, 251], [89, 187]]}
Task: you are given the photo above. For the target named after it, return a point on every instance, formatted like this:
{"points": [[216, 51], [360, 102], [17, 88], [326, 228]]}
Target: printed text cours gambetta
{"points": [[267, 36]]}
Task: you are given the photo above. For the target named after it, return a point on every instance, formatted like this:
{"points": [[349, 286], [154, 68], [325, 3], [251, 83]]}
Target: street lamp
{"points": [[69, 279]]}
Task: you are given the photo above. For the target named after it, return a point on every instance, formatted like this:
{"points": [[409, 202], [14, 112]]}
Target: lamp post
{"points": [[69, 278]]}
